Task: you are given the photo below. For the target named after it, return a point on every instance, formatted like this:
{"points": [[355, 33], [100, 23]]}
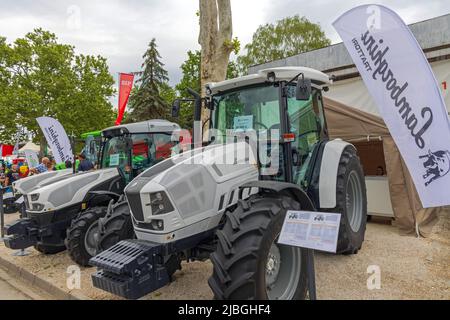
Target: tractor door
{"points": [[307, 121]]}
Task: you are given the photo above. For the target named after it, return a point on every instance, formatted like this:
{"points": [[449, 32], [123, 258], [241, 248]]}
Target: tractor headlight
{"points": [[37, 207], [160, 203], [34, 197]]}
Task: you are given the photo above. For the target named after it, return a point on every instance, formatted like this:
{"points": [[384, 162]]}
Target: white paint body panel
{"points": [[64, 188], [35, 181], [328, 172], [184, 222]]}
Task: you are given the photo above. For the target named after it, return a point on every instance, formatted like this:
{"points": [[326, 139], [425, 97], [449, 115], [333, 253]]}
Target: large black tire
{"points": [[77, 233], [47, 249], [115, 226], [351, 202], [242, 253]]}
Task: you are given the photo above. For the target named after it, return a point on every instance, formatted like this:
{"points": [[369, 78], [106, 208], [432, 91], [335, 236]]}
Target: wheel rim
{"points": [[354, 201], [91, 239], [283, 268]]}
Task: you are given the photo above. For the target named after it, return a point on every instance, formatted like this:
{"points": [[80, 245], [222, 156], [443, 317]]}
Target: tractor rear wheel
{"points": [[115, 226], [351, 202], [249, 263], [82, 235]]}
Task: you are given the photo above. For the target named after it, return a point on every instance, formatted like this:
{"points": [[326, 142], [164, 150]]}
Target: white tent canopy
{"points": [[353, 92], [30, 146]]}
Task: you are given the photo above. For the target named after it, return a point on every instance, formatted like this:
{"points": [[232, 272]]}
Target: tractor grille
{"points": [[25, 200], [133, 193], [134, 200]]}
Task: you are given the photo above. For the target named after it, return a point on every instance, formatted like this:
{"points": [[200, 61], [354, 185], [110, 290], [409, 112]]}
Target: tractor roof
{"points": [[150, 126], [281, 73]]}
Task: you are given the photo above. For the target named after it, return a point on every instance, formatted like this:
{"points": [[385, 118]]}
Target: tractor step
{"points": [[130, 269]]}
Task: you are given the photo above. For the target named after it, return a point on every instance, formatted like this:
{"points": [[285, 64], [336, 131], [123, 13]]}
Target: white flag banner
{"points": [[399, 77], [32, 158], [56, 138]]}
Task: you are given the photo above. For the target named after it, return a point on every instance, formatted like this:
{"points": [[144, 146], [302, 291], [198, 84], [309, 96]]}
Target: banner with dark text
{"points": [[57, 139], [125, 87], [399, 77]]}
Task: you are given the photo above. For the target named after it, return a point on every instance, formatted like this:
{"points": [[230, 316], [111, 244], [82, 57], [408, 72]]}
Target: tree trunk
{"points": [[216, 32]]}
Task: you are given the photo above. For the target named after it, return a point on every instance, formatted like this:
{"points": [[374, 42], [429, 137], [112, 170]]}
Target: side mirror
{"points": [[176, 108], [303, 90]]}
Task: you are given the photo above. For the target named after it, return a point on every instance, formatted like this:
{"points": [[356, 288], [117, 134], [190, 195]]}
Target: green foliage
{"points": [[41, 77], [148, 100], [234, 44], [287, 37]]}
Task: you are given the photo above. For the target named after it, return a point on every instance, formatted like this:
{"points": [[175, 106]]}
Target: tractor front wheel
{"points": [[351, 202], [115, 226], [83, 234], [249, 263]]}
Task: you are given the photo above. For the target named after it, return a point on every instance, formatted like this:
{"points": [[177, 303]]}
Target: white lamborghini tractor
{"points": [[64, 212], [227, 202]]}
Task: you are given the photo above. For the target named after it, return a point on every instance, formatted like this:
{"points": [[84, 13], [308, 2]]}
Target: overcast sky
{"points": [[121, 30]]}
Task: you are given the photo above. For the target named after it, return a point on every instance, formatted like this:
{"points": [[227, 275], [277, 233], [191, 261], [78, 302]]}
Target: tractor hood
{"points": [[23, 186], [69, 191], [189, 188]]}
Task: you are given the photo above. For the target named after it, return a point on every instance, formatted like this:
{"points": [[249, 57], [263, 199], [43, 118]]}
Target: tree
{"points": [[216, 40], [41, 77], [287, 37], [191, 79], [148, 100]]}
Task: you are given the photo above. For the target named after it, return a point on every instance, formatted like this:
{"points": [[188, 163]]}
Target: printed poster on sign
{"points": [[312, 230]]}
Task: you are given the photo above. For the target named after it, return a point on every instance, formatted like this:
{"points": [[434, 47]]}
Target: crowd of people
{"points": [[10, 172]]}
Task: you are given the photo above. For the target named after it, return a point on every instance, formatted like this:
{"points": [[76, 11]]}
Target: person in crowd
{"points": [[380, 171], [12, 175], [51, 164], [68, 164], [43, 166], [85, 164], [2, 174]]}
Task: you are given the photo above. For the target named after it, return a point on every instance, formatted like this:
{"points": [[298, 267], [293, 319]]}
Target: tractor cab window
{"points": [[250, 109], [135, 153], [307, 122]]}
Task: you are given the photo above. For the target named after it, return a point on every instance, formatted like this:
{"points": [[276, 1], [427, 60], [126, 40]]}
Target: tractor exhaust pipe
{"points": [[198, 134]]}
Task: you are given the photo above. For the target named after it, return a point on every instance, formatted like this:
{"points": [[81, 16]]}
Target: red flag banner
{"points": [[125, 86]]}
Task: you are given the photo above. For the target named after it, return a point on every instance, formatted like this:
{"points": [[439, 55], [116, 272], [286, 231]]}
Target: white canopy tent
{"points": [[30, 146], [353, 92]]}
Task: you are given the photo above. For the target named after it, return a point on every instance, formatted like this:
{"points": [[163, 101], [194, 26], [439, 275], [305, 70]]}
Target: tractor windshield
{"points": [[254, 108], [257, 109], [134, 153]]}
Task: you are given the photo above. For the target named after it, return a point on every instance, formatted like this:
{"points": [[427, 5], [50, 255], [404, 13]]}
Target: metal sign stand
{"points": [[311, 275]]}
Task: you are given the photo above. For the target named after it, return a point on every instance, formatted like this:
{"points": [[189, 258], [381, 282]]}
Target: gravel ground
{"points": [[411, 268]]}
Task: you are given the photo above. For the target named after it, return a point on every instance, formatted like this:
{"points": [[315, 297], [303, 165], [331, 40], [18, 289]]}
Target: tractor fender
{"points": [[289, 189], [328, 172]]}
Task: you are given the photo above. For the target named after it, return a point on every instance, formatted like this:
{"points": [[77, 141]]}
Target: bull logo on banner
{"points": [[437, 165]]}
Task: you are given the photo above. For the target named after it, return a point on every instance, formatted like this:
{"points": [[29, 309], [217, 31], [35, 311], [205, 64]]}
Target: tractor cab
{"points": [[133, 150], [276, 105]]}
